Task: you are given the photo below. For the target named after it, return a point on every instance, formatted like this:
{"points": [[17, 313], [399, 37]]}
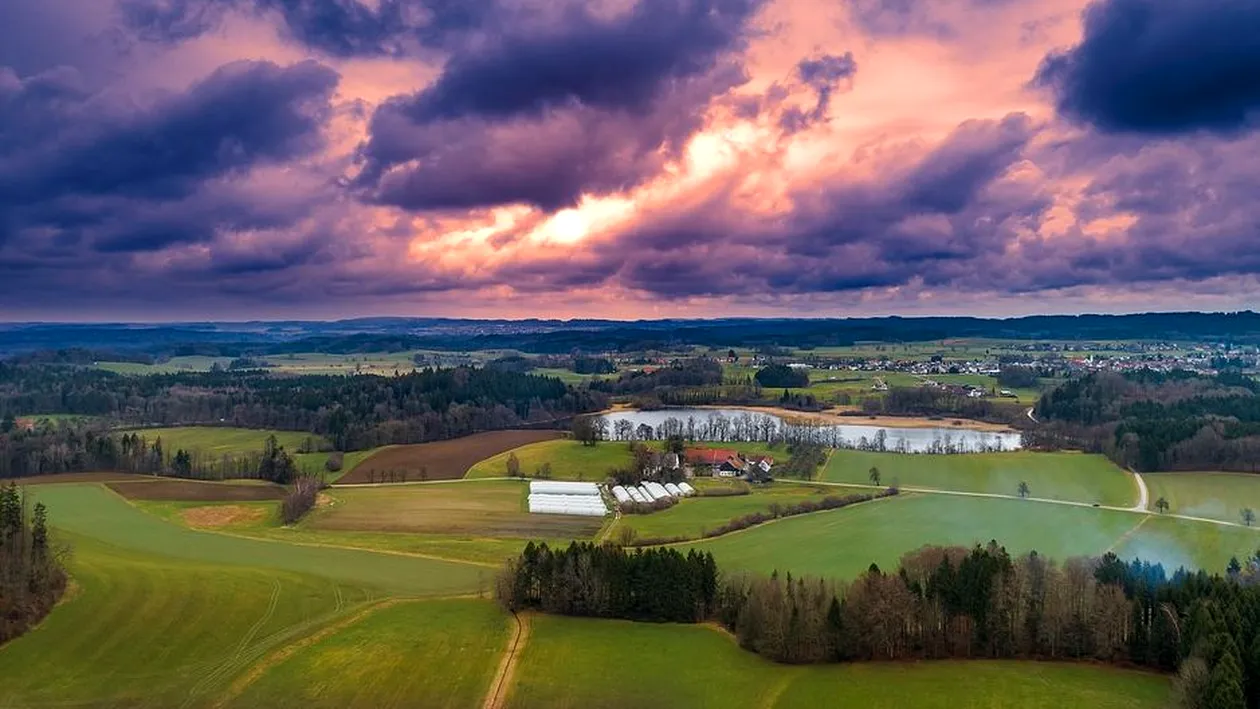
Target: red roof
{"points": [[708, 456]]}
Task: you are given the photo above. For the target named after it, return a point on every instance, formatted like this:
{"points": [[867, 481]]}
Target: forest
{"points": [[1157, 421], [940, 603], [32, 576], [353, 412]]}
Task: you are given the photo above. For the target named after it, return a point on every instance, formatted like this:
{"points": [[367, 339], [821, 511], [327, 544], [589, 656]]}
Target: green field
{"points": [[1175, 543], [572, 662], [1057, 476], [220, 440], [91, 510], [419, 654], [692, 516], [569, 460], [1212, 495]]}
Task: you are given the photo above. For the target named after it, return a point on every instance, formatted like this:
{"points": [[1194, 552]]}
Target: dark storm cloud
{"points": [[106, 175], [1161, 67], [821, 74], [541, 113]]}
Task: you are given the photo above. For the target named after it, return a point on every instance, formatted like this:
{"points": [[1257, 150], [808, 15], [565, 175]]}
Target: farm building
{"points": [[566, 498], [724, 463]]}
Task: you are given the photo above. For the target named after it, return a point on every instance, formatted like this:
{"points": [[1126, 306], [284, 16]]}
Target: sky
{"points": [[254, 159]]}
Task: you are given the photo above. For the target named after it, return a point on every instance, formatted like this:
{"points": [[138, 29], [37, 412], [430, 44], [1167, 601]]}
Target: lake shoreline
{"points": [[832, 416]]}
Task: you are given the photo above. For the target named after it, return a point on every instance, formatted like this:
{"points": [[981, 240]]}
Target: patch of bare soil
{"points": [[221, 515], [440, 460]]}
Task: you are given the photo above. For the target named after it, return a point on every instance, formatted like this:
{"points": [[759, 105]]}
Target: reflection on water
{"points": [[740, 425]]}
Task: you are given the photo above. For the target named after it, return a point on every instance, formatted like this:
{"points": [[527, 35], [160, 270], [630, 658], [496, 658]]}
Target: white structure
{"points": [[647, 496], [565, 498], [686, 489], [621, 494], [673, 490], [656, 490], [636, 495]]}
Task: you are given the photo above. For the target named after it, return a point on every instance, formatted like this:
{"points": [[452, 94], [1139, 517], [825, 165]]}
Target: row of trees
{"points": [[70, 448], [662, 585], [32, 575], [941, 602]]}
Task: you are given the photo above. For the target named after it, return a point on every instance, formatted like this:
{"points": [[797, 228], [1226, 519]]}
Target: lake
{"points": [[742, 425]]}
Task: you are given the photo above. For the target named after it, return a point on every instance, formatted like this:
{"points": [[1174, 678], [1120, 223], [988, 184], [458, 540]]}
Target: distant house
{"points": [[725, 463]]}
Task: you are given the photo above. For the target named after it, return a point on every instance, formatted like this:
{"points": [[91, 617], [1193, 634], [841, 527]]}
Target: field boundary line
{"points": [[1129, 534], [269, 661], [1144, 495], [506, 672]]}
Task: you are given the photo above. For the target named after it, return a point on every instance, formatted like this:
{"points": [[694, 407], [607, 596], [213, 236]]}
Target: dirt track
{"points": [[440, 460]]}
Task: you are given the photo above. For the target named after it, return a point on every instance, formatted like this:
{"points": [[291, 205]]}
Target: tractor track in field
{"points": [[503, 677]]}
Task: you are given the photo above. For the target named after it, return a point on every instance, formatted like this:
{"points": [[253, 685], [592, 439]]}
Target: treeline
{"points": [[692, 372], [1155, 421], [940, 603], [353, 412], [70, 448], [659, 585], [32, 575], [928, 401]]}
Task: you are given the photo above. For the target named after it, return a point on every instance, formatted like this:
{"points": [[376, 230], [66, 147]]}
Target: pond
{"points": [[742, 425]]}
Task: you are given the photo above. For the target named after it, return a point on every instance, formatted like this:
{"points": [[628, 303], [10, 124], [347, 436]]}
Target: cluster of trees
{"points": [[941, 602], [1154, 421], [692, 372], [1014, 377], [927, 401], [660, 585], [781, 376], [300, 499], [32, 576], [804, 459], [72, 448], [353, 412]]}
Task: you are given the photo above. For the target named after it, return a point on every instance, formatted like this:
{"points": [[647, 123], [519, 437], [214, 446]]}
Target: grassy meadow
{"points": [[570, 662], [221, 440], [569, 459], [693, 516], [439, 654], [1057, 476], [1211, 495]]}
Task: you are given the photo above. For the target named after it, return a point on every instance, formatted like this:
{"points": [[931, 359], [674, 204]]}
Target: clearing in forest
{"points": [[440, 460]]}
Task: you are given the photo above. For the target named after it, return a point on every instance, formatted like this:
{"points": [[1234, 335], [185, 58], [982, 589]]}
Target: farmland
{"points": [[841, 544], [216, 440], [1212, 495], [566, 661], [1057, 476], [440, 460], [692, 517], [433, 654], [489, 508], [569, 459]]}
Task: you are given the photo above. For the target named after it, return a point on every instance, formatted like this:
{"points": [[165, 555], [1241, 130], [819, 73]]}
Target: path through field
{"points": [[1144, 495], [502, 682]]}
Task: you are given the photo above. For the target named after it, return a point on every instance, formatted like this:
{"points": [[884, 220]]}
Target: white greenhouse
{"points": [[673, 490], [686, 488], [566, 498], [637, 495], [556, 487]]}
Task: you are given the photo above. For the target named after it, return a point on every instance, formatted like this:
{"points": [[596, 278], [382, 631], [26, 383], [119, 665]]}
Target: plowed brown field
{"points": [[440, 460]]}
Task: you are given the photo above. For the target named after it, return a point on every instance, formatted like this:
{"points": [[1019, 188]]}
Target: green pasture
{"points": [[221, 440], [174, 365], [570, 460], [316, 462], [575, 662], [1212, 495], [91, 510], [1195, 545], [440, 653], [843, 543], [693, 516], [141, 630], [1057, 476]]}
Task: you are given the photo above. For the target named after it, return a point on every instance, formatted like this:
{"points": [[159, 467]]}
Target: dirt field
{"points": [[440, 460], [168, 489], [221, 515], [489, 508]]}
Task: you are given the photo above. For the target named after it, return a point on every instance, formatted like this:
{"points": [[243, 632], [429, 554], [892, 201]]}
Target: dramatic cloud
{"points": [[542, 114], [1162, 66], [626, 158]]}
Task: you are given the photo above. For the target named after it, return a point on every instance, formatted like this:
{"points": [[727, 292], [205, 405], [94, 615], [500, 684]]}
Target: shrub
{"points": [[300, 499]]}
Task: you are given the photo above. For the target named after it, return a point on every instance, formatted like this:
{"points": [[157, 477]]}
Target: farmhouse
{"points": [[724, 463]]}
